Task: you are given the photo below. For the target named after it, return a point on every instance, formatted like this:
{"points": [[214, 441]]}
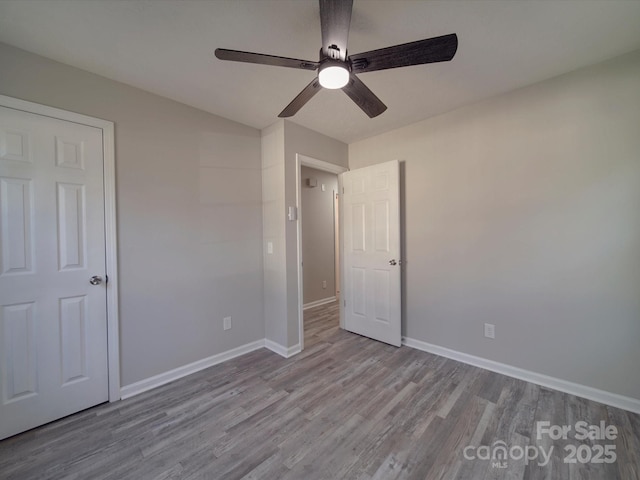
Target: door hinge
{"points": [[344, 302], [106, 279]]}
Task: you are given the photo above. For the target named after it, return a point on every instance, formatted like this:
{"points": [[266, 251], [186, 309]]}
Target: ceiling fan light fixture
{"points": [[333, 75], [337, 70]]}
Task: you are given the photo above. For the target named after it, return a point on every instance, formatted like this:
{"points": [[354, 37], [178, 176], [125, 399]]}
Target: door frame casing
{"points": [[303, 160], [111, 256]]}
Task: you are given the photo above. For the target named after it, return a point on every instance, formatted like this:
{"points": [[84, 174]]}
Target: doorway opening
{"points": [[317, 199]]}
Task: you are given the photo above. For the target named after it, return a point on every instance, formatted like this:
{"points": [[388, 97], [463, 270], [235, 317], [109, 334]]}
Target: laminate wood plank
{"points": [[330, 450], [271, 424], [452, 432], [272, 467], [455, 395], [458, 437], [463, 468], [550, 408], [345, 408], [627, 443]]}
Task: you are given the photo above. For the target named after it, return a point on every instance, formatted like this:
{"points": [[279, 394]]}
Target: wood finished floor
{"points": [[347, 408]]}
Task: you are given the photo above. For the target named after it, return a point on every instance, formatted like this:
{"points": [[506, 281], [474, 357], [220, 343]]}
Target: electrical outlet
{"points": [[324, 284], [489, 330], [226, 322]]}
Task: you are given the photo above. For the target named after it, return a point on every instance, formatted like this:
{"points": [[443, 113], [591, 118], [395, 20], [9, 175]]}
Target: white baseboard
{"points": [[317, 303], [282, 350], [608, 398], [166, 377]]}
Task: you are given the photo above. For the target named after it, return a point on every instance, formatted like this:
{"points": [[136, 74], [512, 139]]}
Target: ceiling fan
{"points": [[336, 69]]}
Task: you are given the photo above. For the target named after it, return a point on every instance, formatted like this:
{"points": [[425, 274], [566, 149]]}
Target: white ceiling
{"points": [[166, 47]]}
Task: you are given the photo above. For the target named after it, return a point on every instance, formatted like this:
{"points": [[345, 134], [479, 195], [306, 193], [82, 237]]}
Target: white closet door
{"points": [[53, 331]]}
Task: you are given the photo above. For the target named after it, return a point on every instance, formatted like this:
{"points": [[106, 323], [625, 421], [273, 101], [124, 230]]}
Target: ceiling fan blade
{"points": [[303, 97], [249, 57], [335, 19], [431, 50], [363, 97]]}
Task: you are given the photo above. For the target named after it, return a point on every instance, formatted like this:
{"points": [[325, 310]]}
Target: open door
{"points": [[371, 262]]}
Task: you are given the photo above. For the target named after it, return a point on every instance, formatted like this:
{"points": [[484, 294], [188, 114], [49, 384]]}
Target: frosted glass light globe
{"points": [[333, 76]]}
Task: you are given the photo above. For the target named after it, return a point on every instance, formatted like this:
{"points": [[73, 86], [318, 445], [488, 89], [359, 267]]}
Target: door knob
{"points": [[392, 262], [95, 280]]}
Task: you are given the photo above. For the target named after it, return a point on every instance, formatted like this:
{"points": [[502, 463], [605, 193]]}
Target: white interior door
{"points": [[53, 330], [371, 233]]}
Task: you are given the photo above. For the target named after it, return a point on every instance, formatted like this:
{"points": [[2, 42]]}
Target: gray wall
{"points": [[524, 211], [301, 140], [273, 231], [318, 239], [189, 214], [280, 144]]}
